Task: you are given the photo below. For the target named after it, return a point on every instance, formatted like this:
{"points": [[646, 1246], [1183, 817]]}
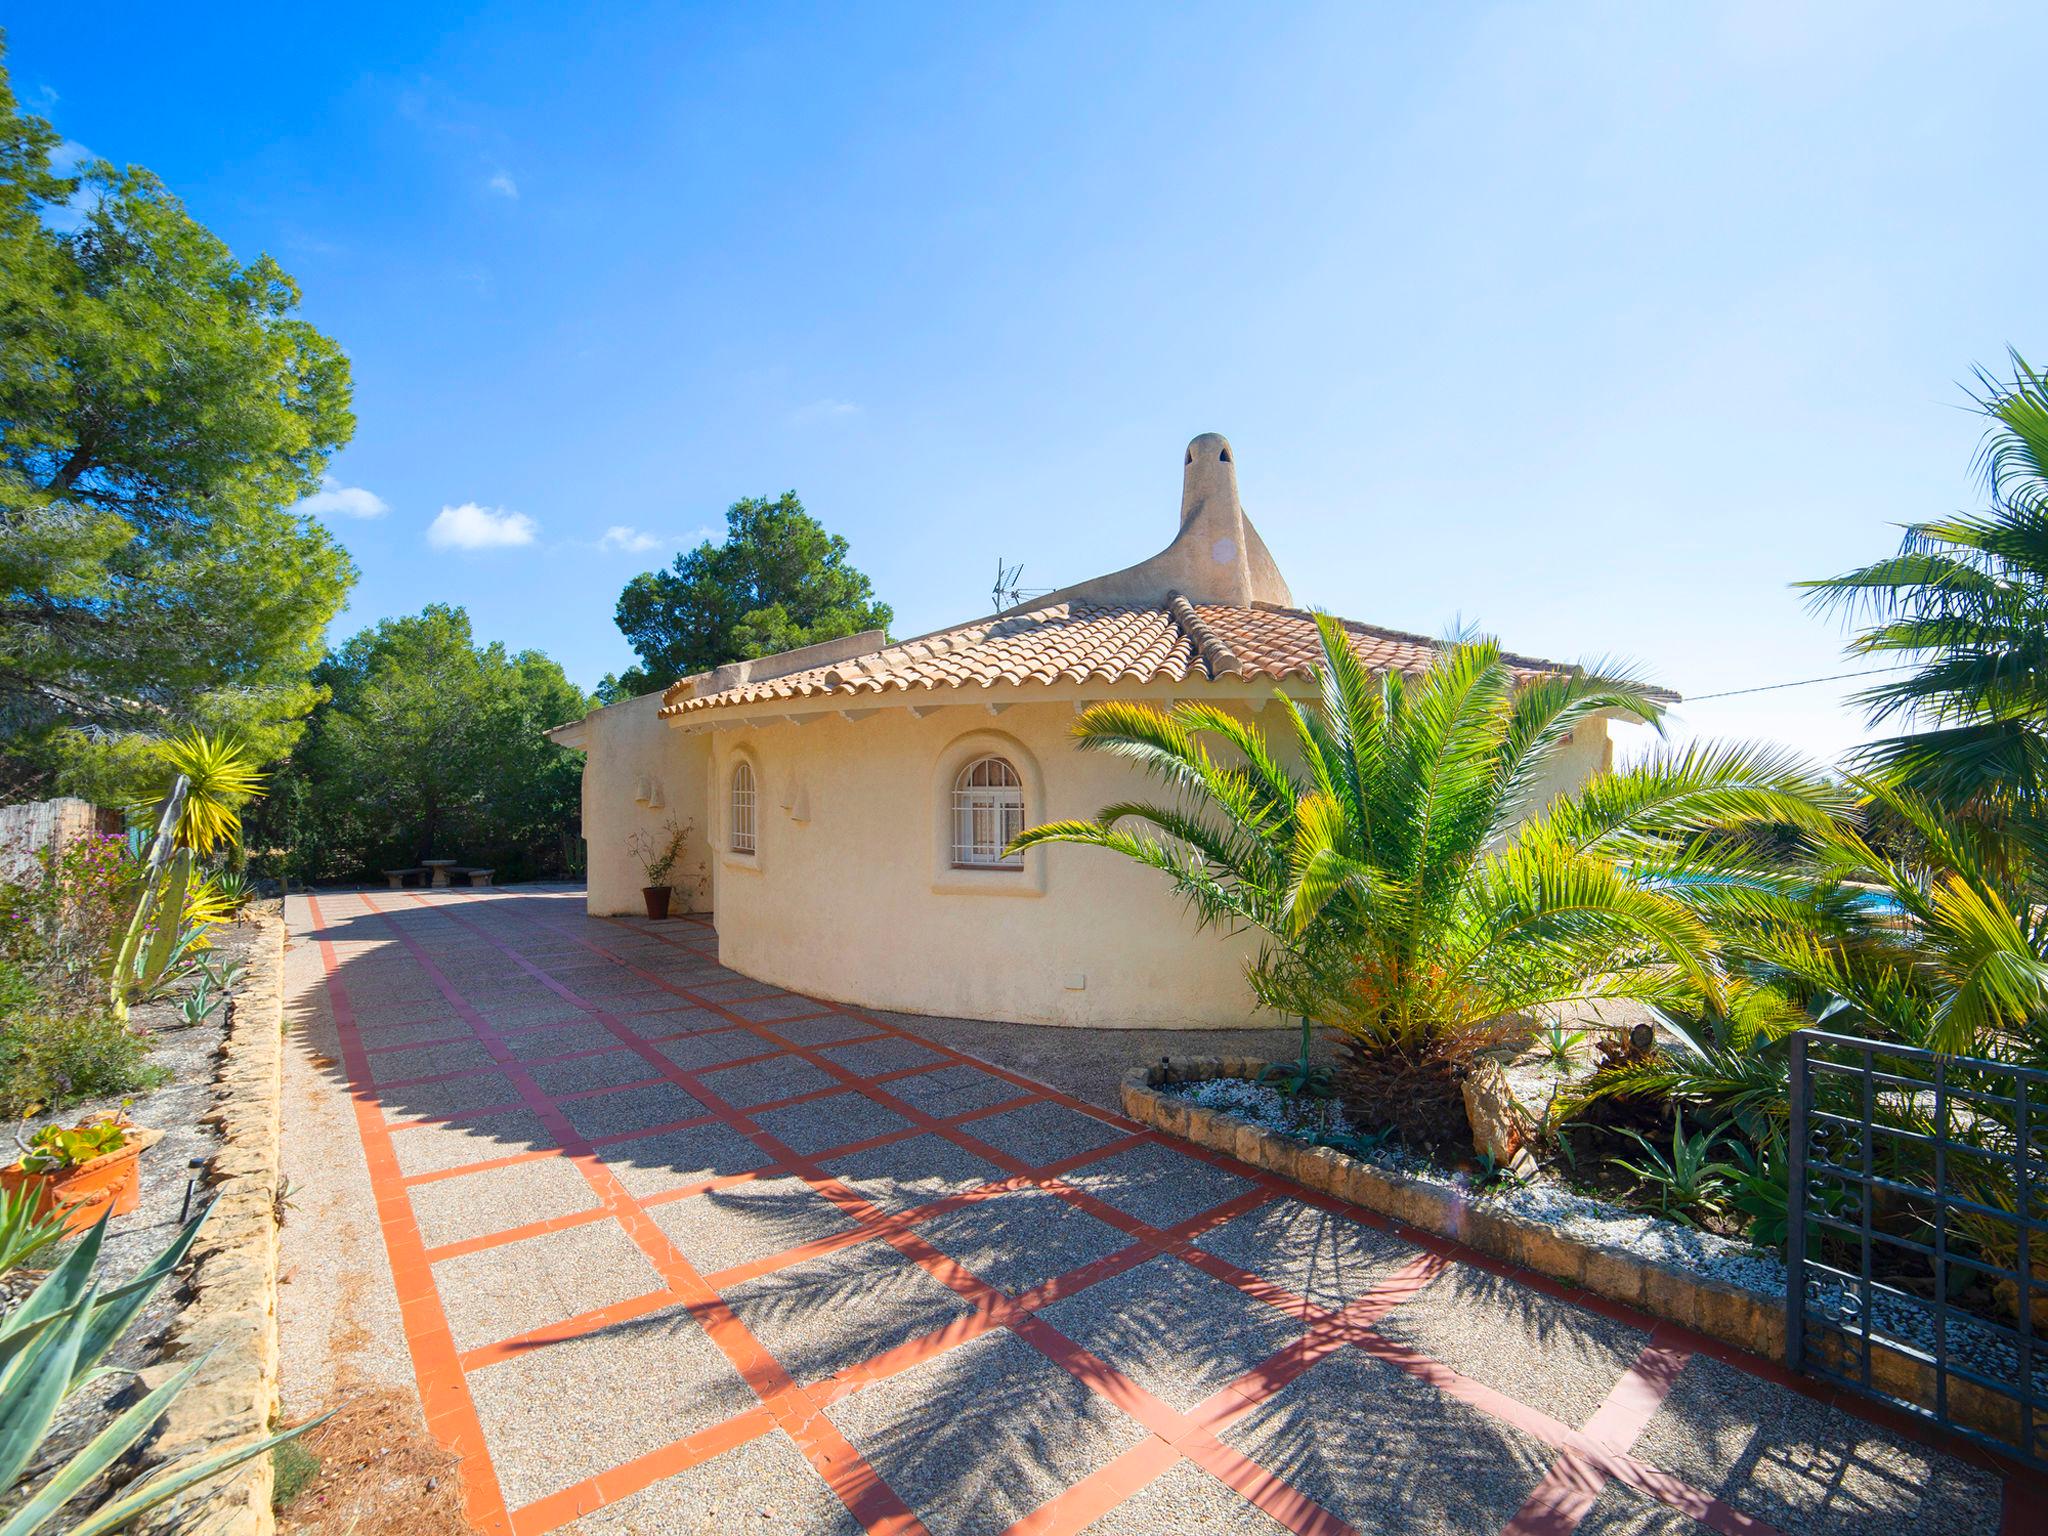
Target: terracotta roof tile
{"points": [[1082, 643]]}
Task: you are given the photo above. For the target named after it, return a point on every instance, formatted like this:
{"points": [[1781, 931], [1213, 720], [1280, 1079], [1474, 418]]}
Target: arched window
{"points": [[988, 810], [742, 807]]}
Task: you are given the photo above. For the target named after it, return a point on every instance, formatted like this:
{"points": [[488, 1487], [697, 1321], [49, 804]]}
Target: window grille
{"points": [[988, 811], [743, 808]]}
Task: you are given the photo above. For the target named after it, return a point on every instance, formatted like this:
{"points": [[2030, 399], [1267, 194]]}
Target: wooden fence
{"points": [[25, 830]]}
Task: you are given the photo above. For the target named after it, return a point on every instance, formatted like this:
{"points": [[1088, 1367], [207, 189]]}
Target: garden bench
{"points": [[477, 876], [400, 877]]}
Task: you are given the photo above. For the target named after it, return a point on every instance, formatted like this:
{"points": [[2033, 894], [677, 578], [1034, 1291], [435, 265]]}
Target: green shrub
{"points": [[49, 1060], [292, 1467]]}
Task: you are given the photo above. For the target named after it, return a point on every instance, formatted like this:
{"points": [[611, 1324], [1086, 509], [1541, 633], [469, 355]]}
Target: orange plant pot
{"points": [[83, 1193]]}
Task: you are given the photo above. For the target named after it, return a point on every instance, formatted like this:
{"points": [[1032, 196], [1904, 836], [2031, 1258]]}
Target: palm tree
{"points": [[1413, 893], [1964, 603]]}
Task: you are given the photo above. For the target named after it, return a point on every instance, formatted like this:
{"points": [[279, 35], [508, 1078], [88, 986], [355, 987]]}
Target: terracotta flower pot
{"points": [[82, 1193], [656, 897]]}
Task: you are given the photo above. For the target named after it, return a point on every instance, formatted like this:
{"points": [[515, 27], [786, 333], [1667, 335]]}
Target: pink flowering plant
{"points": [[58, 924]]}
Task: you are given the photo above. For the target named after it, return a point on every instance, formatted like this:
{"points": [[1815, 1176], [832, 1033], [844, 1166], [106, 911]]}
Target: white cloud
{"points": [[825, 410], [503, 185], [470, 526], [631, 540], [338, 500]]}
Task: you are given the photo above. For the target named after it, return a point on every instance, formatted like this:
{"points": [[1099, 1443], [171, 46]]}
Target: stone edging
{"points": [[233, 1277], [1750, 1320]]}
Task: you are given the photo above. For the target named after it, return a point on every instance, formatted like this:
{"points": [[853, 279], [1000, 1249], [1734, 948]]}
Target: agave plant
{"points": [[1414, 892], [51, 1345]]}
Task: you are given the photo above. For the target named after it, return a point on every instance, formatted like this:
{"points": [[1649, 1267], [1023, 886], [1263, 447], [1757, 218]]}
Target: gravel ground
{"points": [[1188, 1500], [1557, 1358], [983, 1435], [823, 1315], [1386, 1452], [764, 1485], [556, 1415], [1143, 1321], [1329, 1259], [1809, 1468]]}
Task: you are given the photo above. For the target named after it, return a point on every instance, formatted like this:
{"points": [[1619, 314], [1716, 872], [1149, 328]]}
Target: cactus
{"points": [[146, 954]]}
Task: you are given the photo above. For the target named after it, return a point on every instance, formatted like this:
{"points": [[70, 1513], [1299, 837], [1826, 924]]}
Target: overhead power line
{"points": [[1804, 682]]}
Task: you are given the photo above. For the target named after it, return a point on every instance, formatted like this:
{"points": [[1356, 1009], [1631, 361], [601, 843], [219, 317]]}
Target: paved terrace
{"points": [[677, 1251]]}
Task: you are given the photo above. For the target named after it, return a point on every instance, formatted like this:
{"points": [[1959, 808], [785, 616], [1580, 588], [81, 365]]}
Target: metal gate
{"points": [[1917, 1234]]}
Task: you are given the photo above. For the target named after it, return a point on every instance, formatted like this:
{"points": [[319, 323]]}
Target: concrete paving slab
{"points": [[952, 1091], [499, 1199], [556, 1415], [499, 1293], [836, 1121], [631, 1109], [871, 1058], [1809, 1469], [1020, 1240], [724, 1227], [1326, 1258], [1157, 1184], [581, 1074], [763, 1486], [982, 1435], [1559, 1359], [453, 1096], [1178, 1333], [559, 1040], [1186, 1500], [648, 1165], [1039, 1134], [829, 1030], [763, 1082], [1388, 1453], [428, 1060], [693, 1053], [912, 1172], [437, 1148], [1621, 1511], [828, 1313]]}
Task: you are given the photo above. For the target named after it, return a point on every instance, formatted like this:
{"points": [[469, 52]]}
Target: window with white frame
{"points": [[988, 811], [742, 840]]}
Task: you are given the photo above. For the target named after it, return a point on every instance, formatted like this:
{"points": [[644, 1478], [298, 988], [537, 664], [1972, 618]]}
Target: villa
{"points": [[850, 802]]}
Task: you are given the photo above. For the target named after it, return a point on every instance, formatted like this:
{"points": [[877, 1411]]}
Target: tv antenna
{"points": [[1007, 593]]}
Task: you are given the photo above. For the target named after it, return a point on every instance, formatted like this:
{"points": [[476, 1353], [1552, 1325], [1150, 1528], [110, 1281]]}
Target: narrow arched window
{"points": [[988, 811], [742, 807]]}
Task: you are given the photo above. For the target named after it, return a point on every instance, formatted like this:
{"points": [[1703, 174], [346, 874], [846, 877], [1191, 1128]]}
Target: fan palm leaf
{"points": [[1405, 895]]}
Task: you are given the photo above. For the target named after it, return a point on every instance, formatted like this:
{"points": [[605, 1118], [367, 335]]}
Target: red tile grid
{"points": [[1585, 1459]]}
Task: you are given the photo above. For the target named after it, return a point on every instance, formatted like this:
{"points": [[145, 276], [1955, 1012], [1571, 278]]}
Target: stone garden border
{"points": [[233, 1275], [1753, 1321]]}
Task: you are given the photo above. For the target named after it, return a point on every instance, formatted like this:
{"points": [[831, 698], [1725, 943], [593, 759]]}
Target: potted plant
{"points": [[658, 853], [82, 1171]]}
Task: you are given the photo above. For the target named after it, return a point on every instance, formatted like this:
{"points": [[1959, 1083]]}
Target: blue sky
{"points": [[1593, 326]]}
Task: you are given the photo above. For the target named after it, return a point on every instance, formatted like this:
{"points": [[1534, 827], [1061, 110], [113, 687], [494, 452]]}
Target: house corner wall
{"points": [[638, 774]]}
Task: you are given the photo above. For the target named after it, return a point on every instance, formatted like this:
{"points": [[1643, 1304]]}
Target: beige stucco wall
{"points": [[637, 775], [850, 894]]}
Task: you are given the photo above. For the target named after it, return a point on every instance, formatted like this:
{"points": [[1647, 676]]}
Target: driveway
{"points": [[674, 1251]]}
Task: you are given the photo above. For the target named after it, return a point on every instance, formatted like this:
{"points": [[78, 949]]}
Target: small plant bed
{"points": [[179, 1049]]}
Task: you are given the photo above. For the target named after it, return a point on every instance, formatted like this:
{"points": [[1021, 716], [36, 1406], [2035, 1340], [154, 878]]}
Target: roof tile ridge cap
{"points": [[1217, 658]]}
